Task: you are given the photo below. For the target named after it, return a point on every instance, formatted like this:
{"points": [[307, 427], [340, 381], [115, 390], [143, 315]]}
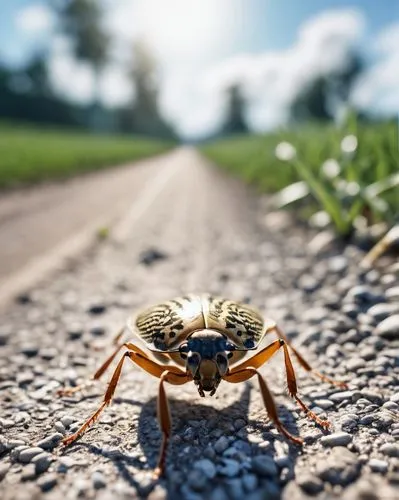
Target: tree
{"points": [[234, 122], [324, 94], [142, 115], [81, 21]]}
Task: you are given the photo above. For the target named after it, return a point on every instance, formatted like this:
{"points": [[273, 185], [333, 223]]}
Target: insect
{"points": [[203, 339]]}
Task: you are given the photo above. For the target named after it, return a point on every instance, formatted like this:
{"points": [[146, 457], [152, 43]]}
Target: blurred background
{"points": [[199, 68], [198, 71]]}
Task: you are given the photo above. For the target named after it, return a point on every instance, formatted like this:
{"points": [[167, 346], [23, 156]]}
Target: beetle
{"points": [[201, 338]]}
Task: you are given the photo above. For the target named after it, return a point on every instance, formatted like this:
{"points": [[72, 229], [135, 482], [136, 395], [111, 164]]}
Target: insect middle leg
{"points": [[301, 359], [246, 373], [264, 355]]}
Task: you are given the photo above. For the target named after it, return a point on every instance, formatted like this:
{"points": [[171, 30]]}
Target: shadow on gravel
{"points": [[196, 428]]}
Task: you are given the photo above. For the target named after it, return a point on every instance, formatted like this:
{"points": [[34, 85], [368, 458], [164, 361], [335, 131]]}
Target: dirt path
{"points": [[35, 220], [214, 236]]}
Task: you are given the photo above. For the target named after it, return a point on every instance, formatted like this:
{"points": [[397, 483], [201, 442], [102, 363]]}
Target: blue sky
{"points": [[203, 45]]}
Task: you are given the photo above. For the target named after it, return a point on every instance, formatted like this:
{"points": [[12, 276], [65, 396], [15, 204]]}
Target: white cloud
{"points": [[34, 19], [273, 79], [378, 88]]}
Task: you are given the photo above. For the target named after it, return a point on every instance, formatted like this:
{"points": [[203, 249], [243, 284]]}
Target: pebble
{"points": [[207, 467], [309, 483], [264, 466], [392, 293], [389, 328], [42, 462], [336, 439], [197, 480], [47, 482], [390, 449], [67, 421], [341, 467], [98, 479], [229, 468], [382, 310], [26, 455], [221, 444], [50, 442], [372, 396], [338, 397], [377, 465], [6, 423], [249, 482]]}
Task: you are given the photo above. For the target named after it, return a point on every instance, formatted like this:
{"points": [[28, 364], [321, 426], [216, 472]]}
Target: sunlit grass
{"points": [[29, 154], [349, 172]]}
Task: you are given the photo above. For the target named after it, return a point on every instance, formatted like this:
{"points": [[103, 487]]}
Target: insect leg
{"points": [[106, 401], [68, 391], [302, 360], [245, 374]]}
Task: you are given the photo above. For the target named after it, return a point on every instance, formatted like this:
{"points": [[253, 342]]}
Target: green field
{"points": [[30, 154], [366, 181]]}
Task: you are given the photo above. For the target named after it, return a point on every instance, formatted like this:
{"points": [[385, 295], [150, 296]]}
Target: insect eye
{"points": [[193, 362], [221, 361], [230, 347]]}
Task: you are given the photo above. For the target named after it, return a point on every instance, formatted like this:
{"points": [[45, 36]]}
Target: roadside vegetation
{"points": [[30, 154], [346, 176]]}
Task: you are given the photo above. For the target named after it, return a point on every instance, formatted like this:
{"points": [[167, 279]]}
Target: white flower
{"points": [[331, 168], [285, 151], [349, 144]]}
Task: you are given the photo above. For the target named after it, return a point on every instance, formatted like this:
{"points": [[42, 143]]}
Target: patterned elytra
{"points": [[166, 326]]}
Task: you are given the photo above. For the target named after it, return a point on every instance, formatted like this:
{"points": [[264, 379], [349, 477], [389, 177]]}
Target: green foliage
{"points": [[30, 154], [349, 173]]}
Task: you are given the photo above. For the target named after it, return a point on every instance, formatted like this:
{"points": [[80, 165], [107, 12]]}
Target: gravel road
{"points": [[203, 231]]}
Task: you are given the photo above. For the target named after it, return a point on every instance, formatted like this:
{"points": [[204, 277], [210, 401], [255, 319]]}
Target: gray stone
{"points": [[264, 466], [249, 482], [207, 467], [42, 462], [336, 439], [98, 479], [309, 483], [50, 442], [389, 328], [4, 468], [340, 467], [377, 465], [229, 467], [48, 481], [221, 444], [197, 480], [383, 310], [25, 456], [390, 449]]}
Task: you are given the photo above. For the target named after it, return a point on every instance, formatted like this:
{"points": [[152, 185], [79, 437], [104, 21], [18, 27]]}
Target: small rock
{"points": [[249, 482], [151, 255], [390, 450], [26, 455], [336, 439], [378, 465], [6, 423], [221, 444], [197, 480], [230, 468], [372, 396], [29, 350], [207, 467], [264, 466], [98, 308], [28, 473], [47, 482], [51, 441], [383, 310], [308, 483], [98, 479], [42, 462], [341, 467], [389, 328], [67, 421]]}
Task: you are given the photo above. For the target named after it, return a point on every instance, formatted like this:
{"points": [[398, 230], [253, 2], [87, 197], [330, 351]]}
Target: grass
{"points": [[363, 182], [29, 154]]}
